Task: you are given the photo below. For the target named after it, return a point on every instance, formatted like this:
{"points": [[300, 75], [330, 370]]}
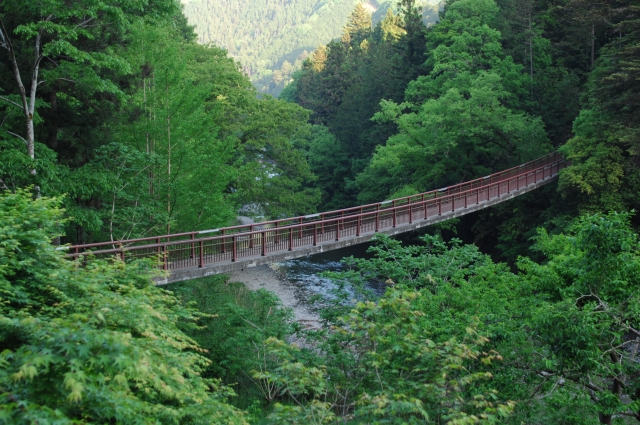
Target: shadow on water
{"points": [[303, 274]]}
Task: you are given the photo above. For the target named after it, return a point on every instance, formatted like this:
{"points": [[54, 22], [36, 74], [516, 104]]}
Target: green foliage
{"points": [[344, 82], [604, 150], [458, 122], [358, 27], [236, 331], [588, 321], [414, 377], [272, 38], [326, 151], [381, 365], [567, 327], [177, 141], [96, 343], [489, 85]]}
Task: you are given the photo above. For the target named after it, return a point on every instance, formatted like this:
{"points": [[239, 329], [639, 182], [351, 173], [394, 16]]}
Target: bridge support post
{"points": [[377, 217], [290, 239], [315, 234], [264, 244], [193, 246], [165, 258], [424, 205], [224, 243], [201, 265], [300, 229], [393, 214], [358, 223], [465, 200], [235, 249], [439, 206], [337, 230], [275, 241]]}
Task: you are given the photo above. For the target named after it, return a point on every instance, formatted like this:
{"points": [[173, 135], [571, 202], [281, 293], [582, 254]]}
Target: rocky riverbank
{"points": [[269, 278]]}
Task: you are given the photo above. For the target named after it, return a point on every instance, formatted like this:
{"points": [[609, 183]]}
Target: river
{"points": [[297, 282]]}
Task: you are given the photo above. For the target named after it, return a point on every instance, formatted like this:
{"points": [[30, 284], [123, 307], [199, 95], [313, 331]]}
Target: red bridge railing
{"points": [[230, 244]]}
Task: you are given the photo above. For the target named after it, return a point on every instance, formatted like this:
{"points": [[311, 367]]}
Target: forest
{"points": [[115, 123], [272, 38]]}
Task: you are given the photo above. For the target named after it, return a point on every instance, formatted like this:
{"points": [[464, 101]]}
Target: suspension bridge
{"points": [[197, 254]]}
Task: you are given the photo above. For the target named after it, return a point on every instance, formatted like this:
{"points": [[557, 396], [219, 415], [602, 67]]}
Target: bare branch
{"points": [[255, 326], [588, 385], [3, 40], [83, 24], [601, 304], [16, 104], [629, 328], [19, 137], [34, 73], [16, 70], [630, 414], [67, 79]]}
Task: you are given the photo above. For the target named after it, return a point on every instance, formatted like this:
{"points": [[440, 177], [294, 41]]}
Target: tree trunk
{"points": [[30, 139], [531, 44], [604, 419], [593, 45], [168, 159], [28, 104]]}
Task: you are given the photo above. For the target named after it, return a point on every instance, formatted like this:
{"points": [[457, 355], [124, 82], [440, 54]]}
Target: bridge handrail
{"points": [[384, 205], [327, 221]]}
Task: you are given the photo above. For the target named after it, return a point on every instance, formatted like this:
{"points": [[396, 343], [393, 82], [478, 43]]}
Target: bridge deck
{"points": [[185, 256], [329, 242]]}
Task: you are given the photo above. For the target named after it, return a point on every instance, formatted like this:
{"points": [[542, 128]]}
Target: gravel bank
{"points": [[268, 277]]}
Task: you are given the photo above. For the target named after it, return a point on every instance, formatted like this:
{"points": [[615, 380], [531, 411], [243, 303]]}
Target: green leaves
{"points": [[96, 343], [458, 122], [455, 333], [605, 141]]}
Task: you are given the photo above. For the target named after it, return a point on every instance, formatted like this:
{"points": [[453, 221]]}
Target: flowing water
{"points": [[304, 274]]}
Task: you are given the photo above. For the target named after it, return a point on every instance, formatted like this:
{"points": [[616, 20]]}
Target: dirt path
{"points": [[267, 277]]}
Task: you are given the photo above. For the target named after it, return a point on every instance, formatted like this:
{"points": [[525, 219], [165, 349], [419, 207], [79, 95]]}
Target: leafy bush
{"points": [[92, 343], [235, 332]]}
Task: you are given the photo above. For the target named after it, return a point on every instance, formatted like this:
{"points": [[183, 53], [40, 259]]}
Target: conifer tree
{"points": [[318, 58], [391, 28], [358, 26]]}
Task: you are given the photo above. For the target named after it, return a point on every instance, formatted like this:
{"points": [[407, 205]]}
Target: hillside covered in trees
{"points": [[271, 38], [141, 128], [400, 108], [115, 123]]}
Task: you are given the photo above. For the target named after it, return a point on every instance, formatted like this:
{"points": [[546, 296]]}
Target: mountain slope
{"points": [[275, 35]]}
